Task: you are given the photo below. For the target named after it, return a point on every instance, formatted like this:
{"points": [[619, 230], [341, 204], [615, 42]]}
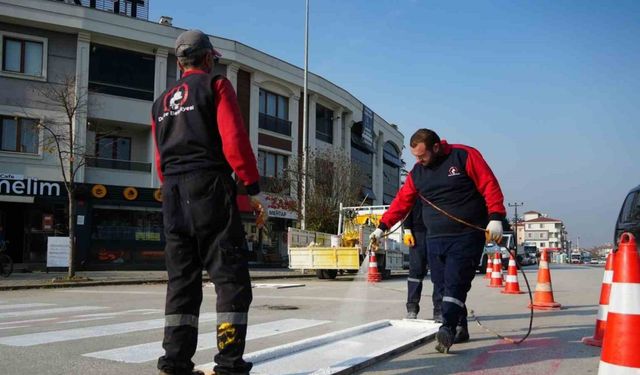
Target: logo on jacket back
{"points": [[453, 171], [174, 102]]}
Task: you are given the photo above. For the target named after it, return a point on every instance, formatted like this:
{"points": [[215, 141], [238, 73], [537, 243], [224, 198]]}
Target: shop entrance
{"points": [[12, 221]]}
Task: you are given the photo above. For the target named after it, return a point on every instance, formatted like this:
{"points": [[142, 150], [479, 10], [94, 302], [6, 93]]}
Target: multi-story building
{"points": [[545, 232], [121, 61]]}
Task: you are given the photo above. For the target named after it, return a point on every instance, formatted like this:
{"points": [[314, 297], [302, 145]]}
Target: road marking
{"points": [[276, 286], [99, 316], [26, 321], [32, 339], [151, 351], [25, 306], [56, 310], [110, 292]]}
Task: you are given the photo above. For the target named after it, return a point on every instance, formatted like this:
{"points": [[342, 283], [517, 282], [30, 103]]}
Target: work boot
{"points": [[445, 340], [462, 335], [412, 315], [193, 372]]}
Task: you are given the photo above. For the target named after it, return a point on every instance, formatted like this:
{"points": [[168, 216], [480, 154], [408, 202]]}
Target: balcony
{"points": [[130, 8], [125, 165], [274, 124]]}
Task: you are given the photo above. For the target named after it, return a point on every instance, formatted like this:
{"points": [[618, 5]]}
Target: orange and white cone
{"points": [[601, 318], [543, 297], [496, 275], [512, 286], [622, 337], [373, 275], [489, 268]]}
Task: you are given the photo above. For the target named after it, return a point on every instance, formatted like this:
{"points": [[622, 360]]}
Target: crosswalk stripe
{"points": [[32, 339], [57, 310], [24, 306], [151, 351]]}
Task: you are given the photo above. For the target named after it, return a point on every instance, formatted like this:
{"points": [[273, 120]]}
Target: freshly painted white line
{"points": [[89, 332], [25, 306], [339, 351], [85, 319], [56, 310], [151, 351], [111, 314], [12, 327], [110, 292]]}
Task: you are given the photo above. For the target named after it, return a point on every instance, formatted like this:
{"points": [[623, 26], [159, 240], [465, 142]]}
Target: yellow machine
{"points": [[331, 254]]}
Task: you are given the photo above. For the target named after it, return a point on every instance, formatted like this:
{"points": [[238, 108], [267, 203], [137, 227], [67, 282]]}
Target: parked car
{"points": [[629, 217]]}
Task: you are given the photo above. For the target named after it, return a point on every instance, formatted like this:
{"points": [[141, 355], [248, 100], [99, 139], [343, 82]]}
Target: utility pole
{"points": [[305, 115], [515, 220]]}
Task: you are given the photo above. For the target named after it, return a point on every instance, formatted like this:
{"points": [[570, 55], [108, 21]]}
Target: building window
{"points": [[274, 113], [529, 235], [391, 172], [121, 72], [324, 124], [24, 55], [19, 135], [272, 168], [542, 244], [115, 153]]}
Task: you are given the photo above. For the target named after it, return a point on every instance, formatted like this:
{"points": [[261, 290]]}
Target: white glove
{"points": [[259, 205], [376, 235], [494, 231]]}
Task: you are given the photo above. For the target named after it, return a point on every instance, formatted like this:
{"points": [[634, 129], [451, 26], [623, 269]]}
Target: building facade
{"points": [[545, 232], [120, 62]]}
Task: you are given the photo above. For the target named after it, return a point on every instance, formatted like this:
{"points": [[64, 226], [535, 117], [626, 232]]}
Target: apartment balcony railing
{"points": [[131, 8], [274, 124], [125, 165]]}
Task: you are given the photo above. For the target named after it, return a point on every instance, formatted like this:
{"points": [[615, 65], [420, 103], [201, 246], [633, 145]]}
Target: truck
{"points": [[506, 244], [576, 257], [344, 252]]}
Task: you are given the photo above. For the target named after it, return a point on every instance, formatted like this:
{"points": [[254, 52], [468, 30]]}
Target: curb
{"points": [[78, 284]]}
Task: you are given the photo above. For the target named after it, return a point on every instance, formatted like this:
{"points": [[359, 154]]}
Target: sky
{"points": [[548, 91]]}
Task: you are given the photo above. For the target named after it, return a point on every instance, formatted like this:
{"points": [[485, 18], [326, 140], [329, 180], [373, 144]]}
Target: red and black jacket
{"points": [[460, 183], [196, 124]]}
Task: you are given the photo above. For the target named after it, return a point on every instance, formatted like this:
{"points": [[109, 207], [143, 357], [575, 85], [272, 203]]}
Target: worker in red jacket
{"points": [[200, 140], [462, 208]]}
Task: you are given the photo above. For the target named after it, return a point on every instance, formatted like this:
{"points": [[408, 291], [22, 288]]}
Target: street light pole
{"points": [[515, 220], [305, 115]]}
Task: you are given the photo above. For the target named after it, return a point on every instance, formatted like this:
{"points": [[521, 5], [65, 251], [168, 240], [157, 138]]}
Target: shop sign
{"points": [[130, 193], [47, 222], [157, 195], [99, 191], [58, 249], [282, 214], [9, 185], [367, 126]]}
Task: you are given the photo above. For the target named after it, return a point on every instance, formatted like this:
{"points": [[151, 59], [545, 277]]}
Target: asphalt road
{"points": [[115, 329]]}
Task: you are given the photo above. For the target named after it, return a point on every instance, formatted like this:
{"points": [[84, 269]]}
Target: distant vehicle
{"points": [[507, 243], [595, 261], [576, 258], [629, 217], [530, 251]]}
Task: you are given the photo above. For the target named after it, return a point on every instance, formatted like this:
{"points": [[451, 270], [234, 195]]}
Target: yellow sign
{"points": [[130, 193], [158, 195], [99, 191]]}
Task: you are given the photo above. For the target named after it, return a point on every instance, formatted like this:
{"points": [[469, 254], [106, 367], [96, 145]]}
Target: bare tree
{"points": [[331, 179], [59, 137]]}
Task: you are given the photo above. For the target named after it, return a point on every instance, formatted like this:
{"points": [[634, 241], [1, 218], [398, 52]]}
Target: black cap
{"points": [[191, 41]]}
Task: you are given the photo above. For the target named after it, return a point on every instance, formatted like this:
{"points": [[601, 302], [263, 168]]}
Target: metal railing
{"points": [[126, 165], [274, 124], [131, 8]]}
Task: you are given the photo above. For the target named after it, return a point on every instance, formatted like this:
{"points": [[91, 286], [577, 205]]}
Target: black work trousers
{"points": [[418, 263], [453, 261], [203, 231]]}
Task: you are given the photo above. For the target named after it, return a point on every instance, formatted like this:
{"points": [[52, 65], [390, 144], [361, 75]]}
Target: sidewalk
{"points": [[34, 280]]}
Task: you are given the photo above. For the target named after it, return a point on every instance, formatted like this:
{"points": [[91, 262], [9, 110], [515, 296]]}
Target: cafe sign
{"points": [[11, 184]]}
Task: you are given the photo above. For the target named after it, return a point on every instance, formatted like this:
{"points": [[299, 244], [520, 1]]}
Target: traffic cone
{"points": [[489, 268], [543, 297], [601, 318], [512, 286], [496, 275], [621, 340], [373, 276]]}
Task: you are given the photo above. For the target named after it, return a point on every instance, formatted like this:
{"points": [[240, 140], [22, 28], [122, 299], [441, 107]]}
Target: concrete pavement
{"points": [[38, 279]]}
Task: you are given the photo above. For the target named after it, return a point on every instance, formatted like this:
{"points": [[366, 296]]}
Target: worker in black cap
{"points": [[200, 140]]}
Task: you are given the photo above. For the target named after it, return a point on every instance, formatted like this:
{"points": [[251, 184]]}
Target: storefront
{"points": [[269, 245], [120, 228], [30, 211]]}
